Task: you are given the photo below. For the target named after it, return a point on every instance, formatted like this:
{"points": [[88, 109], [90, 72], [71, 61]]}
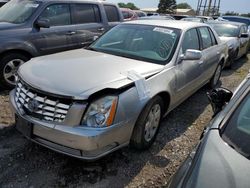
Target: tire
{"points": [[216, 76], [9, 65], [141, 137]]}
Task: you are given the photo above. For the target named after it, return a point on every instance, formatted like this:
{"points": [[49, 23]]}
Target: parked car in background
{"points": [[194, 19], [33, 28], [240, 19], [205, 18], [115, 92], [140, 13], [179, 17], [128, 14], [157, 18], [222, 157], [2, 2], [153, 14], [235, 35]]}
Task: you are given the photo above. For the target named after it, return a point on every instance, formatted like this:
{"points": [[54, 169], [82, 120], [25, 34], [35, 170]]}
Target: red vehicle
{"points": [[128, 14]]}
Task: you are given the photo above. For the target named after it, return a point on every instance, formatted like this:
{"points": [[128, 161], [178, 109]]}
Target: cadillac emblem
{"points": [[33, 105]]}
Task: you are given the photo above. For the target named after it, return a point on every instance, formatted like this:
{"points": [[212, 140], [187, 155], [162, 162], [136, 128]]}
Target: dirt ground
{"points": [[24, 164]]}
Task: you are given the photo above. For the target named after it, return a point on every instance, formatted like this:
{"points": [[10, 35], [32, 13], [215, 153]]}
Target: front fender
{"points": [[18, 45]]}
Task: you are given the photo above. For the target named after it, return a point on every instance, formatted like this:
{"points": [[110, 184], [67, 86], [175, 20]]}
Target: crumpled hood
{"points": [[80, 73], [230, 41]]}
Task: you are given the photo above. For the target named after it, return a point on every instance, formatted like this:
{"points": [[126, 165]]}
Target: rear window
{"points": [[112, 13], [86, 13]]}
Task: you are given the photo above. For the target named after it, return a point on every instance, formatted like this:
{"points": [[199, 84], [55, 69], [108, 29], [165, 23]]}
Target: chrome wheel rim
{"points": [[217, 74], [10, 70], [152, 122]]}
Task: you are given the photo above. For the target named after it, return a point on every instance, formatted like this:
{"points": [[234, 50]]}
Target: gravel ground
{"points": [[24, 164]]}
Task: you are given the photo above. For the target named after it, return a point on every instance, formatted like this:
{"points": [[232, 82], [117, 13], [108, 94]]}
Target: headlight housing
{"points": [[101, 112]]}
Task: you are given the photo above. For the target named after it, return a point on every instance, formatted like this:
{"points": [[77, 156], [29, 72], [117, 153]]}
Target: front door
{"points": [[188, 72], [57, 37]]}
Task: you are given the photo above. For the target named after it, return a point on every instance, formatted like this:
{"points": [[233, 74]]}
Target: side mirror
{"points": [[218, 98], [192, 55], [43, 23], [244, 35]]}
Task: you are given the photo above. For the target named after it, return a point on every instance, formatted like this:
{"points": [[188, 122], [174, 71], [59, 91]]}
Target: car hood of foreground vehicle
{"points": [[80, 73], [218, 165]]}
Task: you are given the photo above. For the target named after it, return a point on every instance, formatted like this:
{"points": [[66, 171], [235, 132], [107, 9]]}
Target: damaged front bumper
{"points": [[77, 141]]}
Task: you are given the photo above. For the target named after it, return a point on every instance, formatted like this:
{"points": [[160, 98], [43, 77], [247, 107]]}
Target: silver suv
{"points": [[88, 103]]}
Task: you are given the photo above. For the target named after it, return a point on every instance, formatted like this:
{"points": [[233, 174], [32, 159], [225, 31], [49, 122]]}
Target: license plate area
{"points": [[24, 127]]}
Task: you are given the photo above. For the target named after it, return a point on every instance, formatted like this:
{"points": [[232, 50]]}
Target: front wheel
{"points": [[9, 65], [147, 125], [216, 77]]}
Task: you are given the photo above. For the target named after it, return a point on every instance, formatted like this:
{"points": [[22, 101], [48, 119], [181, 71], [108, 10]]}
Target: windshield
{"points": [[237, 130], [142, 42], [17, 11], [226, 30]]}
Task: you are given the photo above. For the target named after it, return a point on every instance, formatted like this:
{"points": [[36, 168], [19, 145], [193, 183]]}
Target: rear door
{"points": [[56, 38], [88, 23], [210, 52], [189, 72]]}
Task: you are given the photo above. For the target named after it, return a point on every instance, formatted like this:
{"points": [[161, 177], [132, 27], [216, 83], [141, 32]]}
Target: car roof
{"points": [[241, 17], [83, 1], [226, 22], [183, 25]]}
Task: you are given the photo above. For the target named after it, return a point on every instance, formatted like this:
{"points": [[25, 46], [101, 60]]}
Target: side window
{"points": [[112, 13], [86, 13], [213, 37], [206, 38], [125, 15], [57, 14], [190, 41], [243, 29]]}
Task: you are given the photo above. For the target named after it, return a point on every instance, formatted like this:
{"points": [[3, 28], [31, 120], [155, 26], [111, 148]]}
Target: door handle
{"points": [[200, 62], [101, 29], [71, 33]]}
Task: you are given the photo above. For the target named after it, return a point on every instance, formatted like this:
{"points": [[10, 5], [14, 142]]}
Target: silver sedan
{"points": [[88, 103]]}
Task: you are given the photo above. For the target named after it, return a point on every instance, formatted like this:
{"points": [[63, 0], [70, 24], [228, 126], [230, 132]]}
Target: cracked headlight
{"points": [[101, 112]]}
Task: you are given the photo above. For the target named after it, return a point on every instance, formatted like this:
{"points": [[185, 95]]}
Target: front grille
{"points": [[39, 105]]}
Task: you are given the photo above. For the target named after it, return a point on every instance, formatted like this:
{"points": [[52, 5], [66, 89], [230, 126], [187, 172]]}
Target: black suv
{"points": [[33, 28]]}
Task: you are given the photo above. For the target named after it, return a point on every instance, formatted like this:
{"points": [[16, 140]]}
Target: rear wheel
{"points": [[147, 125], [216, 77], [9, 65]]}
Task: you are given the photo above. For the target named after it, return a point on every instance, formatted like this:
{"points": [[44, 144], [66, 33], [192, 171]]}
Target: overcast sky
{"points": [[240, 6]]}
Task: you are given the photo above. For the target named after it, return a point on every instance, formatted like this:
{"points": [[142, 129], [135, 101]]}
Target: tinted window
{"points": [[112, 13], [141, 42], [86, 13], [237, 130], [58, 14], [190, 41], [205, 36]]}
